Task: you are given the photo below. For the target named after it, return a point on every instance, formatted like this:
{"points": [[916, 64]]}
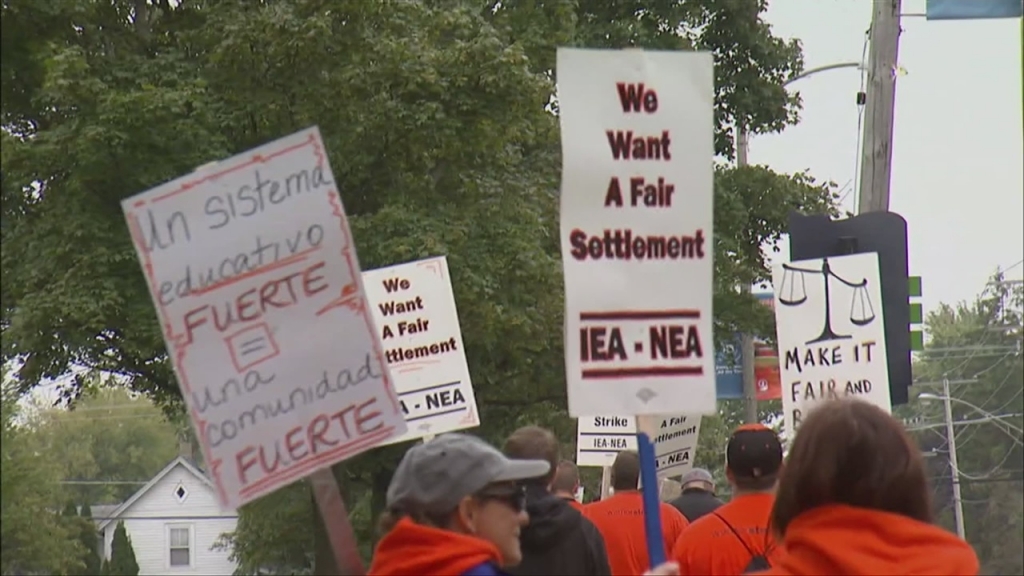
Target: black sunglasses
{"points": [[514, 498]]}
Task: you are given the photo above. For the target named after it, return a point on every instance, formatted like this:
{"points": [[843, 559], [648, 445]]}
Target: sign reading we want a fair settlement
{"points": [[259, 295], [414, 308], [636, 230]]}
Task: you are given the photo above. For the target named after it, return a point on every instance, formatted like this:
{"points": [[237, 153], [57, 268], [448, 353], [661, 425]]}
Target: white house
{"points": [[173, 522]]}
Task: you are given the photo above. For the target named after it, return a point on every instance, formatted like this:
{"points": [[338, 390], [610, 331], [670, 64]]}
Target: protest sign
{"points": [[636, 226], [259, 295], [414, 311], [600, 438], [831, 333], [675, 445]]}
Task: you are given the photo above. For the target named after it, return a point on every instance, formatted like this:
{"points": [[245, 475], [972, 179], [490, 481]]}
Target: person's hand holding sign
{"points": [[666, 569]]}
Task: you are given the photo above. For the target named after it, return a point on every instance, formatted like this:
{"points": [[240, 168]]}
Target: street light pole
{"points": [[958, 503], [747, 340]]}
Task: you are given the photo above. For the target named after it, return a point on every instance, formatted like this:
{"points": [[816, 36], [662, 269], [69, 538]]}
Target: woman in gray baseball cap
{"points": [[454, 507]]}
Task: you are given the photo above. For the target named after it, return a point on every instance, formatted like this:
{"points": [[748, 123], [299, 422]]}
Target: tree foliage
{"points": [[80, 523], [34, 538], [109, 436], [90, 540], [977, 347], [122, 555], [436, 116], [751, 64]]}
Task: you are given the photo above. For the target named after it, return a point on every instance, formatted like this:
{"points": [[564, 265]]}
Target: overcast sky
{"points": [[957, 145]]}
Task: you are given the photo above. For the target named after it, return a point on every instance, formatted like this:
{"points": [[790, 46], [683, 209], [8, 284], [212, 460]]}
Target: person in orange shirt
{"points": [[567, 483], [620, 519], [735, 538], [455, 506], [854, 499]]}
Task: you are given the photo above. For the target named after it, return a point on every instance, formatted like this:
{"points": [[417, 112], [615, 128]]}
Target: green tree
{"points": [[70, 510], [81, 523], [435, 116], [109, 436], [122, 555], [977, 346], [33, 537], [751, 64], [90, 542]]}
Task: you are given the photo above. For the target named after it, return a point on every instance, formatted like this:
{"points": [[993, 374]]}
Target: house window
{"points": [[180, 493], [180, 546]]}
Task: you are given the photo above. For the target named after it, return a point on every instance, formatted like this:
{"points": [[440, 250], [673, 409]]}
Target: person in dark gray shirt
{"points": [[558, 541], [698, 495]]}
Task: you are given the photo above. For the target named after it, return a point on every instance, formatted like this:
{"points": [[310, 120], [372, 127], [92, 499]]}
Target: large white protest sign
{"points": [[259, 295], [675, 445], [414, 311], [636, 222], [600, 438], [830, 328]]}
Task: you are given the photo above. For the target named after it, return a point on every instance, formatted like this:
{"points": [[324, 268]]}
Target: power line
{"points": [[102, 482]]}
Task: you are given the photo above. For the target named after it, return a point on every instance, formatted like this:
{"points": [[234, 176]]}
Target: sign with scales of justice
{"points": [[824, 355], [862, 312]]}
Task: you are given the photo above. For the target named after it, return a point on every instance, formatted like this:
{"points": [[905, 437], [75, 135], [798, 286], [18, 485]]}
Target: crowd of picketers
{"points": [[850, 497]]}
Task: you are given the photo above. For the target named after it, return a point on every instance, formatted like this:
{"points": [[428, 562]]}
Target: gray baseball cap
{"points": [[697, 475], [438, 474]]}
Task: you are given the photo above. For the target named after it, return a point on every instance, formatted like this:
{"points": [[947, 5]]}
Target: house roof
{"points": [[101, 512], [179, 461]]}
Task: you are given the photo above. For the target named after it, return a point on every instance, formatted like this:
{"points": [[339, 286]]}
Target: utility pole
{"points": [[746, 340], [958, 503], [876, 154]]}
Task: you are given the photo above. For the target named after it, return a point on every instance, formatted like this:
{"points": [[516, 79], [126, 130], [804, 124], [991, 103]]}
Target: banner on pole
{"points": [[973, 9]]}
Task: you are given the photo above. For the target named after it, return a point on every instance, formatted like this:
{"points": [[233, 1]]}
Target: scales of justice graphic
{"points": [[862, 312]]}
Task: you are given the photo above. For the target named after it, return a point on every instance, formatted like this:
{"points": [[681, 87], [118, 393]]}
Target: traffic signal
{"points": [[818, 236], [916, 314]]}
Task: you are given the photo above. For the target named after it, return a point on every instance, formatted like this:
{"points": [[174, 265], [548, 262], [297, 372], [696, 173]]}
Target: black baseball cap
{"points": [[754, 451]]}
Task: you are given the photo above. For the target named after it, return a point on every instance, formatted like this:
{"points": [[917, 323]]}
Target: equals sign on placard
{"points": [[667, 335], [252, 346]]}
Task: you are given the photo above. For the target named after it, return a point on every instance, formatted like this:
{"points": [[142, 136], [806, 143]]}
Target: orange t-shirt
{"points": [[620, 520], [709, 548]]}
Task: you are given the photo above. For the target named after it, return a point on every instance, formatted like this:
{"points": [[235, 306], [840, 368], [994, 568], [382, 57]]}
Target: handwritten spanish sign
{"points": [[636, 221], [831, 333], [600, 438], [258, 291], [414, 310]]}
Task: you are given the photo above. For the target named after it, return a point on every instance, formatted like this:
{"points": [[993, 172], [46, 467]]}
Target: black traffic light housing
{"points": [[818, 236]]}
